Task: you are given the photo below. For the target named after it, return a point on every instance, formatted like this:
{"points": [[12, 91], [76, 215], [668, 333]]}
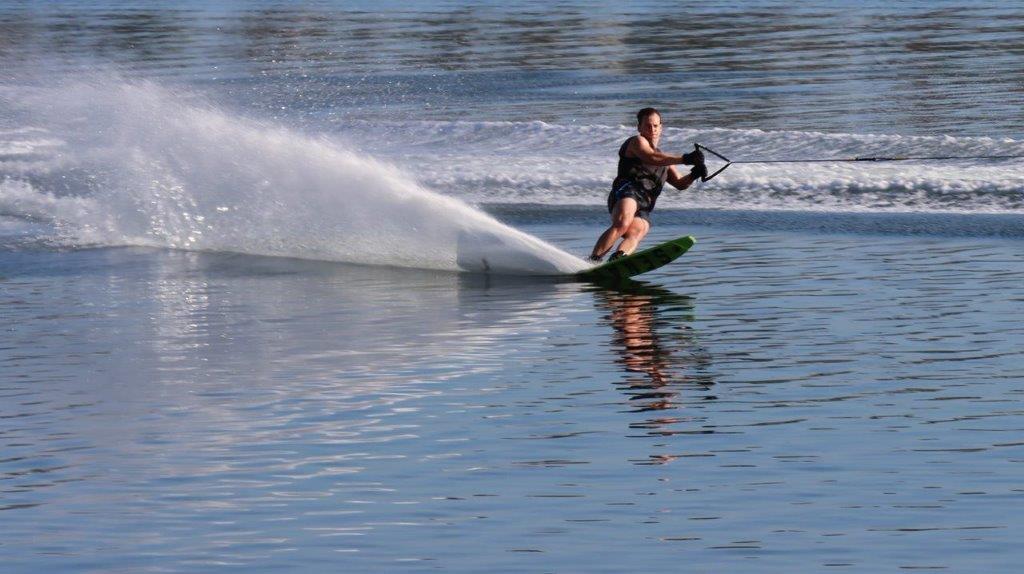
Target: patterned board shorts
{"points": [[643, 201]]}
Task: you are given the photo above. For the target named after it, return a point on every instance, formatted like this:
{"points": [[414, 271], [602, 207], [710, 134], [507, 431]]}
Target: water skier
{"points": [[643, 171]]}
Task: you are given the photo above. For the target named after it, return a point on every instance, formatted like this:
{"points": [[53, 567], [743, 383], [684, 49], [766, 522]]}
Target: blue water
{"points": [[247, 327]]}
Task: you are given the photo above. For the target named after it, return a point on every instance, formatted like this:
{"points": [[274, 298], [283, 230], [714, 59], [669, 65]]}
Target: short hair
{"points": [[642, 114]]}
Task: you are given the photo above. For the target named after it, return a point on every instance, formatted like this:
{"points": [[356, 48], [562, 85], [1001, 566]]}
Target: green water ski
{"points": [[639, 262]]}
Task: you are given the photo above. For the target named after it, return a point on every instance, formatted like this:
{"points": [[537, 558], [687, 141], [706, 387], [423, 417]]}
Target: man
{"points": [[643, 171]]}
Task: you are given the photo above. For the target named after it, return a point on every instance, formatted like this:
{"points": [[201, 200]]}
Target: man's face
{"points": [[650, 127]]}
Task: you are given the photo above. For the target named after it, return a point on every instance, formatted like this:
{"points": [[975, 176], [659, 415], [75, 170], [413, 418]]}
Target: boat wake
{"points": [[541, 163]]}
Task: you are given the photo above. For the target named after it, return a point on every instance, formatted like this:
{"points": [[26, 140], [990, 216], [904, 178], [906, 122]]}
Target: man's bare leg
{"points": [[622, 217], [637, 230]]}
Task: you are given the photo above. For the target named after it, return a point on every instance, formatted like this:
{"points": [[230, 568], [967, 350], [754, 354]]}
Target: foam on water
{"points": [[537, 162], [112, 162]]}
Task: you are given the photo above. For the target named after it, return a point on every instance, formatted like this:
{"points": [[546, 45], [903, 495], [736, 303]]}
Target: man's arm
{"points": [[679, 181]]}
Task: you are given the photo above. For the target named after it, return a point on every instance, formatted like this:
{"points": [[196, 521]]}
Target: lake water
{"points": [[245, 327]]}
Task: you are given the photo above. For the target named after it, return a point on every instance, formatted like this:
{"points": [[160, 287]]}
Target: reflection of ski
{"points": [[639, 262]]}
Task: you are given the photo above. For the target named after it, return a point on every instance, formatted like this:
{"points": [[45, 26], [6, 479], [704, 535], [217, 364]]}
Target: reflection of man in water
{"points": [[657, 357], [641, 352]]}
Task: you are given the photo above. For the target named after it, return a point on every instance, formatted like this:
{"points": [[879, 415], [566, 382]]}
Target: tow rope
{"points": [[729, 162]]}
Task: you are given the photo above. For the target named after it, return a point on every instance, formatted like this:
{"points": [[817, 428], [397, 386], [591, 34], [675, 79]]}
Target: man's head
{"points": [[648, 123]]}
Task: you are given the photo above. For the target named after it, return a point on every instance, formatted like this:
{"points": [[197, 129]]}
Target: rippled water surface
{"points": [[861, 67], [831, 380], [780, 401]]}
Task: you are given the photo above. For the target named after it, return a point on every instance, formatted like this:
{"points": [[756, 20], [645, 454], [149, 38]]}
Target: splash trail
{"points": [[112, 162]]}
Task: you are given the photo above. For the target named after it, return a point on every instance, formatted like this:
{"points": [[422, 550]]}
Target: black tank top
{"points": [[647, 178]]}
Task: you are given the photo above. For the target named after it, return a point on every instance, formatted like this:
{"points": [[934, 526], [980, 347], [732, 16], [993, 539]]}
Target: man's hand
{"points": [[695, 157], [699, 171]]}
